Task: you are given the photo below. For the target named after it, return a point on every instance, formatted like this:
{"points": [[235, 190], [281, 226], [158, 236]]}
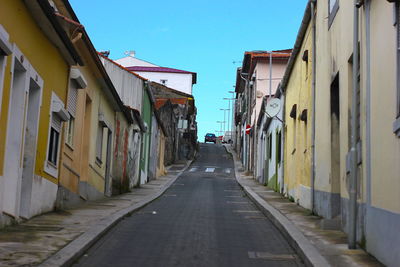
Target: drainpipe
{"points": [[270, 76], [354, 168], [246, 140], [368, 100], [314, 70], [283, 138]]}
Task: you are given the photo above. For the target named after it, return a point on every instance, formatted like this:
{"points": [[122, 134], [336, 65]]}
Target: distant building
{"points": [[180, 80], [252, 85]]}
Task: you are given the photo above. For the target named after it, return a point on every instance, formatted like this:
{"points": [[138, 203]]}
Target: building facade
{"points": [[356, 179], [34, 76], [259, 76], [180, 80], [297, 88]]}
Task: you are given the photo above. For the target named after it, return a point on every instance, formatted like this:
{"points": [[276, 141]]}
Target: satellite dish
{"points": [[273, 107]]}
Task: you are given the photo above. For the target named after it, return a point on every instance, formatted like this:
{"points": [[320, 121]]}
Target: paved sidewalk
{"points": [[318, 247], [59, 238]]}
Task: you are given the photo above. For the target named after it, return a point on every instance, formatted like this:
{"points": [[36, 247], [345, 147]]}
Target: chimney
{"points": [[130, 53]]}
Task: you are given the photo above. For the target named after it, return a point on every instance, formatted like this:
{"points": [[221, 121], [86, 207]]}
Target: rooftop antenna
{"points": [[130, 53]]}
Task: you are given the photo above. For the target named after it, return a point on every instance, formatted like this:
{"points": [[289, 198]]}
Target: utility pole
{"points": [[220, 125], [230, 108], [224, 121]]}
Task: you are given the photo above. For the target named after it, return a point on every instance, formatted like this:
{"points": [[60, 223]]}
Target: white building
{"points": [[179, 80], [269, 165]]}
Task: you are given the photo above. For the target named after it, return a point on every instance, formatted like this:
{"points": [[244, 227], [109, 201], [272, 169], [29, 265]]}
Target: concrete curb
{"points": [[309, 254], [76, 248]]}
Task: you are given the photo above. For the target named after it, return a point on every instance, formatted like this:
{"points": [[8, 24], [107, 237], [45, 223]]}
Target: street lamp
{"points": [[220, 125], [270, 69], [224, 109], [229, 103], [220, 122]]}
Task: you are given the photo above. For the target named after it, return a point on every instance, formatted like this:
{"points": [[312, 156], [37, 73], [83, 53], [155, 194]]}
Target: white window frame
{"points": [[56, 109], [5, 50], [69, 132], [99, 143], [77, 81], [102, 123]]}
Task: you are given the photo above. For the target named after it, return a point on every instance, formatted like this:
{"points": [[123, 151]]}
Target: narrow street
{"points": [[203, 219]]}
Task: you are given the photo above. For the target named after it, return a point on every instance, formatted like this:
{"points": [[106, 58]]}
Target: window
{"points": [[77, 81], [55, 128], [72, 104], [5, 50], [253, 88], [164, 82], [53, 147], [396, 124], [333, 9], [99, 143], [70, 131], [269, 146], [57, 115], [279, 147]]}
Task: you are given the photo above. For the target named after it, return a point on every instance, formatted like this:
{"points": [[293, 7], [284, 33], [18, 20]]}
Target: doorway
{"points": [[30, 142], [21, 139], [335, 145]]}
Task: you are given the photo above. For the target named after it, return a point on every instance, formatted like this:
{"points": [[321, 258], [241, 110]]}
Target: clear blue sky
{"points": [[201, 36]]}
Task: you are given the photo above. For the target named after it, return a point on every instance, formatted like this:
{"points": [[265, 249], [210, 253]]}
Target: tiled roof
{"points": [[162, 69], [161, 101], [275, 54], [252, 57]]}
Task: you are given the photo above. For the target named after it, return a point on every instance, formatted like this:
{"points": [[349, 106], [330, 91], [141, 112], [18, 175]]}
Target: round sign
{"points": [[273, 107], [248, 129]]}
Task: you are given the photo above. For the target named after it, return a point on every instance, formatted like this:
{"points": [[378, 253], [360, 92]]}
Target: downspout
{"points": [[283, 94], [245, 145], [352, 237], [368, 104], [270, 76], [313, 93]]}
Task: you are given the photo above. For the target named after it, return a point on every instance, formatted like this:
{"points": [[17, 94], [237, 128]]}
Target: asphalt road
{"points": [[203, 219]]}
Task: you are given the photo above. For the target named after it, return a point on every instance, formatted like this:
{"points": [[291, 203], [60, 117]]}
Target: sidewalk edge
{"points": [[309, 254], [76, 248]]}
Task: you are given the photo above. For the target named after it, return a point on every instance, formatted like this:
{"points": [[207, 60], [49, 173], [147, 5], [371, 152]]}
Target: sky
{"points": [[208, 37]]}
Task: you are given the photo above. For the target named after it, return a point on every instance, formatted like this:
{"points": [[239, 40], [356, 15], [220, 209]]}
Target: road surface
{"points": [[203, 219]]}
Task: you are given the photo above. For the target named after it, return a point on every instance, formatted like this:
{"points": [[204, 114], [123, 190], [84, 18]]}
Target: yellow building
{"points": [[356, 169], [297, 88], [33, 85], [93, 153]]}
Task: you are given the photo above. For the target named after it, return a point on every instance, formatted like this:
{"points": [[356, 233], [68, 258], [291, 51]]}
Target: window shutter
{"points": [[72, 100], [56, 122]]}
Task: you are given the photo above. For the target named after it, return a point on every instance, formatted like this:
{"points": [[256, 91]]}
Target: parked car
{"points": [[227, 139], [210, 137]]}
